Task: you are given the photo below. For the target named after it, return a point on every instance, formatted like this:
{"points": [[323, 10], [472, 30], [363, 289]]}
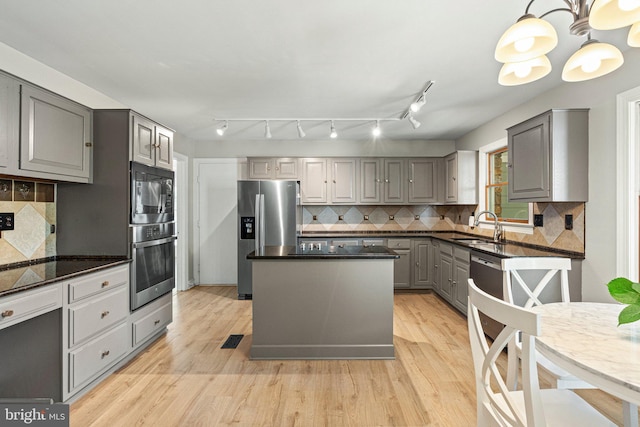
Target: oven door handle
{"points": [[155, 242]]}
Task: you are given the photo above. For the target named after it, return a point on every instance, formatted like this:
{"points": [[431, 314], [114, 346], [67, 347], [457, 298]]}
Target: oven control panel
{"points": [[145, 233]]}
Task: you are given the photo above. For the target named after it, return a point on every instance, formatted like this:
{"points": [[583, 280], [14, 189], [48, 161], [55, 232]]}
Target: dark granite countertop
{"points": [[506, 249], [20, 277], [326, 252]]}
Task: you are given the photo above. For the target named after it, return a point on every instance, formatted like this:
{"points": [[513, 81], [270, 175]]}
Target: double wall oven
{"points": [[152, 234]]}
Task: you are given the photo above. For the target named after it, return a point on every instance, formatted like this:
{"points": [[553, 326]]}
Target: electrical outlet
{"points": [[416, 217], [366, 217], [6, 221], [340, 217], [537, 220], [315, 217], [391, 217], [568, 222]]}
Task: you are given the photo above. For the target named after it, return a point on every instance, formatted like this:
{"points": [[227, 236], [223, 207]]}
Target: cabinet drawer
{"points": [[152, 323], [29, 304], [373, 242], [343, 243], [89, 360], [446, 248], [97, 314], [95, 283], [399, 243], [462, 254]]}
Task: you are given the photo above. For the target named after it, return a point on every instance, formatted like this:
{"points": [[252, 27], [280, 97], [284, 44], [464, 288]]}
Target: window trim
{"points": [[483, 153]]}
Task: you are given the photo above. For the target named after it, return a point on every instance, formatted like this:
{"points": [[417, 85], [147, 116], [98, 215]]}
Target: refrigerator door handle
{"points": [[262, 223], [256, 214]]}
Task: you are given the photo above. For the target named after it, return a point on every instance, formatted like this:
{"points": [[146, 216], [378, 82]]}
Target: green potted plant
{"points": [[627, 292]]}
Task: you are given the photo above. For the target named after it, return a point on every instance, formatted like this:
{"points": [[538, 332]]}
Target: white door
{"points": [[181, 207], [216, 183]]}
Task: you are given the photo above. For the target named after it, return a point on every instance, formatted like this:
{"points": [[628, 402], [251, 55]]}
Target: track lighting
{"points": [[222, 129], [376, 130], [267, 130], [301, 133], [416, 124], [416, 106], [333, 134]]}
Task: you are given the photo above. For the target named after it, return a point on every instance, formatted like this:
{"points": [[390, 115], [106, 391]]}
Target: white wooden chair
{"points": [[514, 283], [529, 407]]}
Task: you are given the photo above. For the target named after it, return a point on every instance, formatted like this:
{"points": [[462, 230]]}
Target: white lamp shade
{"points": [[593, 59], [526, 39], [612, 14], [518, 73], [634, 35]]}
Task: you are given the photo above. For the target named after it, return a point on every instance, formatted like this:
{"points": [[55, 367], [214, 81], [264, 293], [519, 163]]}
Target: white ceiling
{"points": [[186, 63]]}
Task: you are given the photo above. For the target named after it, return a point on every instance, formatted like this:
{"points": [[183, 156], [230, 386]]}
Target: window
{"points": [[497, 192]]}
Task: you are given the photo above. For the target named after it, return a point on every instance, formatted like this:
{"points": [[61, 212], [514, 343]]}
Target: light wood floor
{"points": [[186, 379]]}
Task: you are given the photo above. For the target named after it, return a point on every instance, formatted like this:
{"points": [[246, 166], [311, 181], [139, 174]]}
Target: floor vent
{"points": [[232, 341]]}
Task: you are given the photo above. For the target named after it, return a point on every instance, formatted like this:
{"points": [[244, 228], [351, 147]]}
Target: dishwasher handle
{"points": [[486, 262]]}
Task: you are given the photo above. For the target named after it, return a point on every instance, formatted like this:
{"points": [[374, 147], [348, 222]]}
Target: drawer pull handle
{"points": [[104, 314], [156, 322], [105, 353], [105, 283], [7, 313]]}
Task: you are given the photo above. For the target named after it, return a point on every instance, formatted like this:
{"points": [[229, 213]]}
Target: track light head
{"points": [[301, 133], [222, 129], [416, 124], [416, 106], [267, 130], [376, 130], [333, 134]]}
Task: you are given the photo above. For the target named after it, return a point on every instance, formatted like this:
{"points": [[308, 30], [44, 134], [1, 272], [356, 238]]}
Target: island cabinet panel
{"points": [[370, 181], [549, 157], [55, 135], [313, 185]]}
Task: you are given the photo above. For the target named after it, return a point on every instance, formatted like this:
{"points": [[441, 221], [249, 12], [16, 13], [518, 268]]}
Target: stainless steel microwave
{"points": [[151, 194]]}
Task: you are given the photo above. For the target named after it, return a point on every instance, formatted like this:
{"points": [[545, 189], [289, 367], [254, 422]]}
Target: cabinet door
{"points": [[402, 269], [370, 181], [394, 181], [9, 124], [451, 176], [529, 147], [343, 180], [435, 268], [260, 168], [143, 141], [55, 135], [420, 253], [423, 181], [164, 148], [460, 285], [286, 168], [446, 276], [313, 184]]}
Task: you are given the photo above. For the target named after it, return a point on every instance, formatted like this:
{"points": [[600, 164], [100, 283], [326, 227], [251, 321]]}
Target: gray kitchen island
{"points": [[328, 303]]}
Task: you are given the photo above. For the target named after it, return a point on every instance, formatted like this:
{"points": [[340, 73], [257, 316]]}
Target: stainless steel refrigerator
{"points": [[269, 214]]}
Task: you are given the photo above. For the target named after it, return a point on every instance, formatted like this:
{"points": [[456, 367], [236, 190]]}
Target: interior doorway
{"points": [[181, 170]]}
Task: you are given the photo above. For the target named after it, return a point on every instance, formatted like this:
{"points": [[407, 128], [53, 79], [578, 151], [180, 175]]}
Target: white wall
{"points": [[600, 96]]}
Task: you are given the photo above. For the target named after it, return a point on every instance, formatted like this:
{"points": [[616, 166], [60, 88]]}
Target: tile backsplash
{"points": [[447, 218], [34, 208]]}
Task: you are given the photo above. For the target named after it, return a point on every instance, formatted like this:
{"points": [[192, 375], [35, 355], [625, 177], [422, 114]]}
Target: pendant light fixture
{"points": [[522, 48], [416, 124]]}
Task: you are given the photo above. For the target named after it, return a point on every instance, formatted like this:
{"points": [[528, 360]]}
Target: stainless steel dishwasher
{"points": [[486, 272]]}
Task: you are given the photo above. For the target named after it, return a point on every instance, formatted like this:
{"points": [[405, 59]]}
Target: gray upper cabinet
{"points": [[9, 124], [55, 136], [343, 183], [370, 181], [395, 190], [461, 177], [272, 168], [423, 181], [152, 144], [548, 157], [313, 183]]}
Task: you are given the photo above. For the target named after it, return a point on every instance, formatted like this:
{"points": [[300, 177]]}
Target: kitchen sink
{"points": [[471, 241]]}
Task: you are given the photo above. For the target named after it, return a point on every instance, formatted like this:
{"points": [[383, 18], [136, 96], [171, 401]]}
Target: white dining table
{"points": [[584, 339]]}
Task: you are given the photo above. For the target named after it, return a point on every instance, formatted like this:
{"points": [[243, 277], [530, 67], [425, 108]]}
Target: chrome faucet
{"points": [[497, 228]]}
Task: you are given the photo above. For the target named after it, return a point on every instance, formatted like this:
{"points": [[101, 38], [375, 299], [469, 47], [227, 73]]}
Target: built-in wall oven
{"points": [[152, 234]]}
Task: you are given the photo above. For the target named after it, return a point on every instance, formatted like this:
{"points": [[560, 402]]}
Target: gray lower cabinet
{"points": [[95, 330], [460, 278], [422, 259], [445, 271], [402, 265], [451, 272]]}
